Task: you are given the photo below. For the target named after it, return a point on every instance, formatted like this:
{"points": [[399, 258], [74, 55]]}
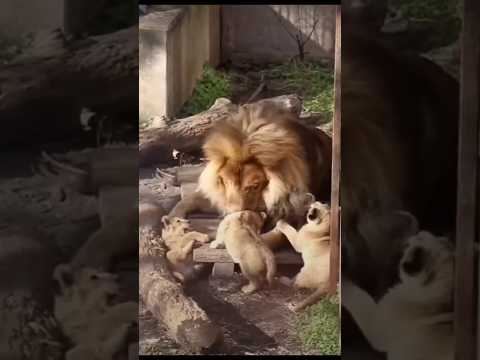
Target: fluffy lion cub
{"points": [[88, 315], [240, 232], [180, 240], [414, 319], [313, 242]]}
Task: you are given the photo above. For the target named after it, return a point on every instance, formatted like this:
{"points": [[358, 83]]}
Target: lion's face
{"points": [[242, 186]]}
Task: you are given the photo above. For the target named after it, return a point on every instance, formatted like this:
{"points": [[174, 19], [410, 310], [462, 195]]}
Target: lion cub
{"points": [[86, 311], [180, 241], [313, 242], [240, 232], [414, 319]]}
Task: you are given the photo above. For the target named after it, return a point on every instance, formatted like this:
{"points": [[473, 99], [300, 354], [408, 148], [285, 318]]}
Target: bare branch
{"points": [[311, 32], [280, 20]]}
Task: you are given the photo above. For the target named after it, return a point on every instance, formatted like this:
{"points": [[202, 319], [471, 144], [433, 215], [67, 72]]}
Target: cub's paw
{"points": [[217, 245], [203, 238], [248, 289], [281, 224]]}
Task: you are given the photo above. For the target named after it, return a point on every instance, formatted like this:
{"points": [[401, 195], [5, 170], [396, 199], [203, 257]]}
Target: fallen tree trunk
{"points": [[99, 69], [186, 135], [185, 321]]}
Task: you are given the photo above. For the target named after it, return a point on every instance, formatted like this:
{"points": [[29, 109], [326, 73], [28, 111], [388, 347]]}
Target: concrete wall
{"points": [[174, 46], [259, 32], [18, 17]]}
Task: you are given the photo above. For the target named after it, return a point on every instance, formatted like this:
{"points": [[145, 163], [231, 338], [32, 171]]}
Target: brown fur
{"points": [[313, 242], [97, 327], [256, 159], [239, 232], [180, 241], [399, 134]]}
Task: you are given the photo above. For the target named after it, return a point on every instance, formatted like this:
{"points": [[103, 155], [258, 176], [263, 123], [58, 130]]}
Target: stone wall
{"points": [[263, 33], [174, 46]]}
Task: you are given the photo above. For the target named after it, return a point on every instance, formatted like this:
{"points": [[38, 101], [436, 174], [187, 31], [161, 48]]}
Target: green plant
{"points": [[440, 10], [319, 327], [116, 15], [213, 85], [312, 80]]}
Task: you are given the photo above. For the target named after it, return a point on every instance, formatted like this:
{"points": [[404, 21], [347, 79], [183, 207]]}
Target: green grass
{"points": [[213, 85], [319, 327], [442, 15], [436, 10], [313, 81]]}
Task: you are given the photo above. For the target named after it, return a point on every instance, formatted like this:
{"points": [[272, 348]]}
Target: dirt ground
{"points": [[262, 323]]}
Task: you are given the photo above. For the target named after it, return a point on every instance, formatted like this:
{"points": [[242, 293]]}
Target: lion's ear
{"points": [[63, 277], [165, 220], [309, 199]]}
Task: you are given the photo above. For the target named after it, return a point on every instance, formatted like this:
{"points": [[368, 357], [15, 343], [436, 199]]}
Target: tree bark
{"points": [[93, 71], [186, 135], [185, 321]]}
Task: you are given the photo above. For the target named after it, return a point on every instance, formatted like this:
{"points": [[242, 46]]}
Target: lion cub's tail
{"points": [[271, 265], [311, 299]]}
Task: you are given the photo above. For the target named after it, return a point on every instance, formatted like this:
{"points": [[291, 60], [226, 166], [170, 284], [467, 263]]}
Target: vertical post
{"points": [[467, 193], [336, 152]]}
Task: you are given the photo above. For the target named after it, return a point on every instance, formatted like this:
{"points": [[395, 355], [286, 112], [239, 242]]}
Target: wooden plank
{"points": [[467, 192], [187, 189], [336, 168], [209, 255], [189, 174]]}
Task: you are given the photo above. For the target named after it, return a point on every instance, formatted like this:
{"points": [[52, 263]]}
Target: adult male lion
{"points": [[255, 160], [399, 149]]}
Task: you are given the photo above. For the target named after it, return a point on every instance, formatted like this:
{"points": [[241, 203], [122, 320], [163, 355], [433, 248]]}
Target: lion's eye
{"points": [[94, 277], [220, 181]]}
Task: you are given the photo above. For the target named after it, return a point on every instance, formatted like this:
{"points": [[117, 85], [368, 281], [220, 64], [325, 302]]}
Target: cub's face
{"points": [[175, 224], [317, 212], [253, 219], [242, 186], [87, 283], [427, 265]]}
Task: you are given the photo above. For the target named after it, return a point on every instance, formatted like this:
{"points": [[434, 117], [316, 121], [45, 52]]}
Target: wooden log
{"points": [[100, 70], [99, 168], [186, 135], [186, 174], [184, 320], [118, 232], [208, 255], [114, 167], [336, 166]]}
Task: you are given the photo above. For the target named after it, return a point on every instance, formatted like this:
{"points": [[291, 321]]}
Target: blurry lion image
{"points": [[256, 159], [87, 310], [414, 319]]}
